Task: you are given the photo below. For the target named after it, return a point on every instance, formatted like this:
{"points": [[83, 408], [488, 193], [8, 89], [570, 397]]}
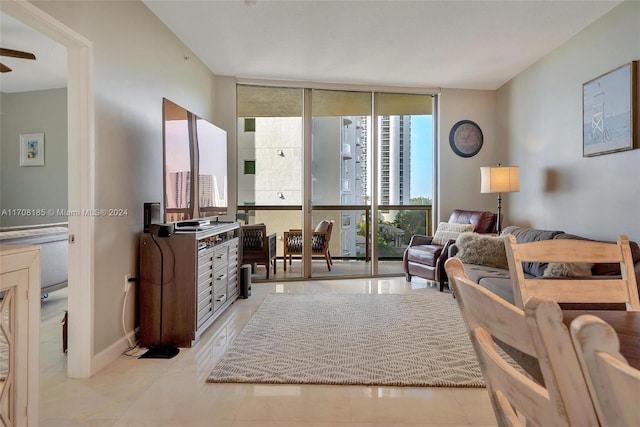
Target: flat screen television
{"points": [[195, 165]]}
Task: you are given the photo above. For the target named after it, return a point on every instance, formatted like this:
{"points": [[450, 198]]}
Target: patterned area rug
{"points": [[416, 339]]}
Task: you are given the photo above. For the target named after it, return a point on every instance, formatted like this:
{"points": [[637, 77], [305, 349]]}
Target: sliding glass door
{"points": [[344, 178], [270, 152], [341, 181], [404, 160]]}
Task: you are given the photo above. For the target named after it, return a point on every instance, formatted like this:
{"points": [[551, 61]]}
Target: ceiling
{"points": [[48, 71], [455, 44]]}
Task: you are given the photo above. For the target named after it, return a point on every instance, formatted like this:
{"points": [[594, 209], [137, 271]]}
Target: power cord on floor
{"points": [[132, 280], [134, 351]]}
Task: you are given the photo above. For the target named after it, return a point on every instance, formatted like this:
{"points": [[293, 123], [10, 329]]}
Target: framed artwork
{"points": [[610, 112], [32, 149]]}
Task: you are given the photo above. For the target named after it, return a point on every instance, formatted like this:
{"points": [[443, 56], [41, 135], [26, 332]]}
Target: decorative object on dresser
{"points": [[425, 257], [197, 273], [499, 179]]}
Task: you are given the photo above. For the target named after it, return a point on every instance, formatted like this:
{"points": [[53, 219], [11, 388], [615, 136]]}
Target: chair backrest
{"points": [[613, 384], [320, 239], [329, 230], [601, 289], [483, 221], [538, 331], [253, 236]]}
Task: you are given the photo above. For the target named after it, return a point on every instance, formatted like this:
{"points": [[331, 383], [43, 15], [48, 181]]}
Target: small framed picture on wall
{"points": [[32, 149]]}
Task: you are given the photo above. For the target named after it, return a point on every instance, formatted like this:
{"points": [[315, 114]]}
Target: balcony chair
{"points": [[258, 247], [425, 256], [320, 239]]}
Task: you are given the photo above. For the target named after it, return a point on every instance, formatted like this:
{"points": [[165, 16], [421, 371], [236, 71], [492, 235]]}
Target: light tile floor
{"points": [[146, 392]]}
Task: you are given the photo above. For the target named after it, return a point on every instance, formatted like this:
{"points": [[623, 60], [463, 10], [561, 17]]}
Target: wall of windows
{"points": [[361, 159]]}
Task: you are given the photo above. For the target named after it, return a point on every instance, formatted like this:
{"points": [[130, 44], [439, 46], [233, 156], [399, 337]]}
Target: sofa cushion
{"points": [[500, 286], [483, 221], [496, 280], [474, 248], [527, 235], [322, 226], [449, 231], [478, 272], [608, 268], [424, 254], [576, 269]]}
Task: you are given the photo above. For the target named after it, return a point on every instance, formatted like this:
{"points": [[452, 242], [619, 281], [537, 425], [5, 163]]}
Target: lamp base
{"points": [[166, 351]]}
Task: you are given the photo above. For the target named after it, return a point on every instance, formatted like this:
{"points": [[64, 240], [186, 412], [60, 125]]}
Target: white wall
{"points": [[137, 62], [540, 116], [31, 189]]}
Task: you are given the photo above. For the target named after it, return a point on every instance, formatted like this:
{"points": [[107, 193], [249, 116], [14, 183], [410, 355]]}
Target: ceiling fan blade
{"points": [[4, 68], [16, 54]]}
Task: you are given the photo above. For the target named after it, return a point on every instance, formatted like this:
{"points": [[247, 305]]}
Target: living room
{"points": [[532, 121]]}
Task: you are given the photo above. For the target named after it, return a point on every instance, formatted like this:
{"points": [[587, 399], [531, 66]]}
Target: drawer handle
{"points": [[221, 298], [221, 277]]}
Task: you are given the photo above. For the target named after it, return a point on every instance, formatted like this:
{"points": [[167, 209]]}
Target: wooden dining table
{"points": [[625, 323]]}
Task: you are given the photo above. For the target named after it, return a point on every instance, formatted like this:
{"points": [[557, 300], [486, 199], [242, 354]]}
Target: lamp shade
{"points": [[499, 179]]}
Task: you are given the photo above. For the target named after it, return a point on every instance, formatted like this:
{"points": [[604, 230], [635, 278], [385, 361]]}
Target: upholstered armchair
{"points": [[258, 247], [425, 256], [320, 239]]}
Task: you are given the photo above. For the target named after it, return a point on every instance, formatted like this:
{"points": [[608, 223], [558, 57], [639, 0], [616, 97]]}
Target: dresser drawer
{"points": [[219, 300], [220, 254], [205, 266]]}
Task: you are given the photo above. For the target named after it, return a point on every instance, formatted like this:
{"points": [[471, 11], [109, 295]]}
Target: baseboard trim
{"points": [[111, 353]]}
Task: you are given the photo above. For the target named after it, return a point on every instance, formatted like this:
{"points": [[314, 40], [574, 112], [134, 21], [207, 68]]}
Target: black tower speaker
{"points": [[151, 215]]}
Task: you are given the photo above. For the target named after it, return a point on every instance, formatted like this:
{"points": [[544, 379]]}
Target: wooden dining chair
{"points": [[563, 398], [601, 289], [613, 384]]}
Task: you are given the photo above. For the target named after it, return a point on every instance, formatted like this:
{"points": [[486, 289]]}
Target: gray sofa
{"points": [[53, 242], [498, 280]]}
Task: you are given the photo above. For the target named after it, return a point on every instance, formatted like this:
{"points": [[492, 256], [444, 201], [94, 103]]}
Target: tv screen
{"points": [[195, 165]]}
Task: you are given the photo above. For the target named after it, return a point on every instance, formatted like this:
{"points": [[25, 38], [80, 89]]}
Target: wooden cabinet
{"points": [[186, 281]]}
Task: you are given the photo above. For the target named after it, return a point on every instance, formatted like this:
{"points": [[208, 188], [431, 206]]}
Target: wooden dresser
{"points": [[186, 281]]}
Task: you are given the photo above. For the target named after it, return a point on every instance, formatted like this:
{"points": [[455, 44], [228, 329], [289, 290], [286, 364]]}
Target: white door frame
{"points": [[81, 178]]}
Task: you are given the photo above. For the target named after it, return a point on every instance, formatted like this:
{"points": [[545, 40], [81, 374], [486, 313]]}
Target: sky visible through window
{"points": [[422, 156]]}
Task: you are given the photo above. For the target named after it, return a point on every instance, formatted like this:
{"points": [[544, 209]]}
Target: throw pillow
{"points": [[322, 226], [482, 249], [577, 269], [449, 231]]}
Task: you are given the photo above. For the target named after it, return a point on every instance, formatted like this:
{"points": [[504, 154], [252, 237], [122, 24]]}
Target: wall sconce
{"points": [[280, 195], [280, 153]]}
